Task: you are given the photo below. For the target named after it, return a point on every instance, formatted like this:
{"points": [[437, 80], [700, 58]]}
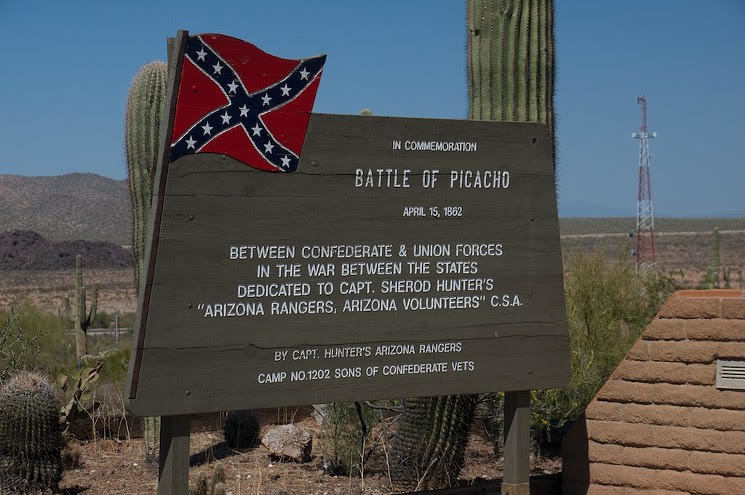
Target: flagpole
{"points": [[175, 431]]}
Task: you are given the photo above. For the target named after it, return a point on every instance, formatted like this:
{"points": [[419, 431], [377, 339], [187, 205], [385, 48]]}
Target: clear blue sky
{"points": [[68, 65]]}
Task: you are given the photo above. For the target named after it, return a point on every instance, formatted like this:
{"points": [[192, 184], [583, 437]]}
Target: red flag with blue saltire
{"points": [[235, 99]]}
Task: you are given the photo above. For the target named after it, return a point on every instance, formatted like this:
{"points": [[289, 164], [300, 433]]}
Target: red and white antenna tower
{"points": [[644, 252]]}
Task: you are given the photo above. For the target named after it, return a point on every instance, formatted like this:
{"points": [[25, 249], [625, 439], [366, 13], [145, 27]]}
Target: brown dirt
{"points": [[684, 255], [48, 288], [116, 467]]}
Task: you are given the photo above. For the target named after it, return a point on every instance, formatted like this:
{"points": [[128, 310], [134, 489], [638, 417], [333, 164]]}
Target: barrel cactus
{"points": [[30, 435], [241, 429], [510, 78]]}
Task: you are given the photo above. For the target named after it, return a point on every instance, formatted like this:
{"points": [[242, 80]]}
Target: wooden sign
{"points": [[402, 257]]}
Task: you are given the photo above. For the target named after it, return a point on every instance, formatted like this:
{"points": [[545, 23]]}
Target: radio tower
{"points": [[645, 252]]}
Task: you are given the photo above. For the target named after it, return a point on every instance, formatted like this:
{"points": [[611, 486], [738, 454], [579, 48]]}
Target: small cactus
{"points": [[218, 475], [201, 487], [241, 429], [30, 435], [216, 486], [152, 439], [83, 317]]}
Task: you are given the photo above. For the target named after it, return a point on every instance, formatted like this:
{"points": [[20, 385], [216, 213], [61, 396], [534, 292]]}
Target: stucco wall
{"points": [[659, 424]]}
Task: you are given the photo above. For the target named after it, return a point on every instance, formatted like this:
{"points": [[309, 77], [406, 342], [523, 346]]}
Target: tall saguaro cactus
{"points": [[511, 60], [429, 449], [142, 128], [142, 137], [510, 78], [82, 316]]}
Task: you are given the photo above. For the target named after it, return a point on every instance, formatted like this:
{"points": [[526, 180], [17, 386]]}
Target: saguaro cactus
{"points": [[511, 60], [510, 78], [82, 317], [30, 435], [142, 130], [142, 136], [431, 441]]}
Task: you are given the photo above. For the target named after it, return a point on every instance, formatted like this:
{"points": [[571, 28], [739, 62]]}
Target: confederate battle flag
{"points": [[237, 100]]}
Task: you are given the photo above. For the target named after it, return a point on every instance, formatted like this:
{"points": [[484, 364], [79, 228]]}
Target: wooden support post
{"points": [[173, 468], [516, 479]]}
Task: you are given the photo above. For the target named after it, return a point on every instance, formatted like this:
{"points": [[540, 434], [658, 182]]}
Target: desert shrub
{"points": [[490, 416], [344, 434], [103, 320], [15, 344], [608, 306], [47, 345], [127, 320], [71, 452], [116, 363]]}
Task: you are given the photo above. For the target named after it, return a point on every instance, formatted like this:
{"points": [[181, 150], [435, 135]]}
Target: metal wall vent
{"points": [[731, 374]]}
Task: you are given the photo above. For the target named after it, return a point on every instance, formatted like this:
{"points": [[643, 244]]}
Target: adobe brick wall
{"points": [[659, 425]]}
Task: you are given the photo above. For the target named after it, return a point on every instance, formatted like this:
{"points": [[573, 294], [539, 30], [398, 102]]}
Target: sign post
{"points": [[516, 479], [402, 257]]}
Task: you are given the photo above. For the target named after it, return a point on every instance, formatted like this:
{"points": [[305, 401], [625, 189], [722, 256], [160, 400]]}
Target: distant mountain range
{"points": [[67, 207]]}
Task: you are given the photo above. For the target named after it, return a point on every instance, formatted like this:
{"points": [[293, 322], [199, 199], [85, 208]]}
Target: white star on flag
{"points": [[244, 110], [217, 67], [304, 74], [207, 128], [190, 143], [225, 117], [266, 99], [257, 130], [285, 161], [232, 86], [285, 90], [201, 54], [268, 147]]}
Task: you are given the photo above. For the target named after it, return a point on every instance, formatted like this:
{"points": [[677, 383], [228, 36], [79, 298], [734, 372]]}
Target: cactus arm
{"points": [[83, 321], [94, 306], [81, 343]]}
